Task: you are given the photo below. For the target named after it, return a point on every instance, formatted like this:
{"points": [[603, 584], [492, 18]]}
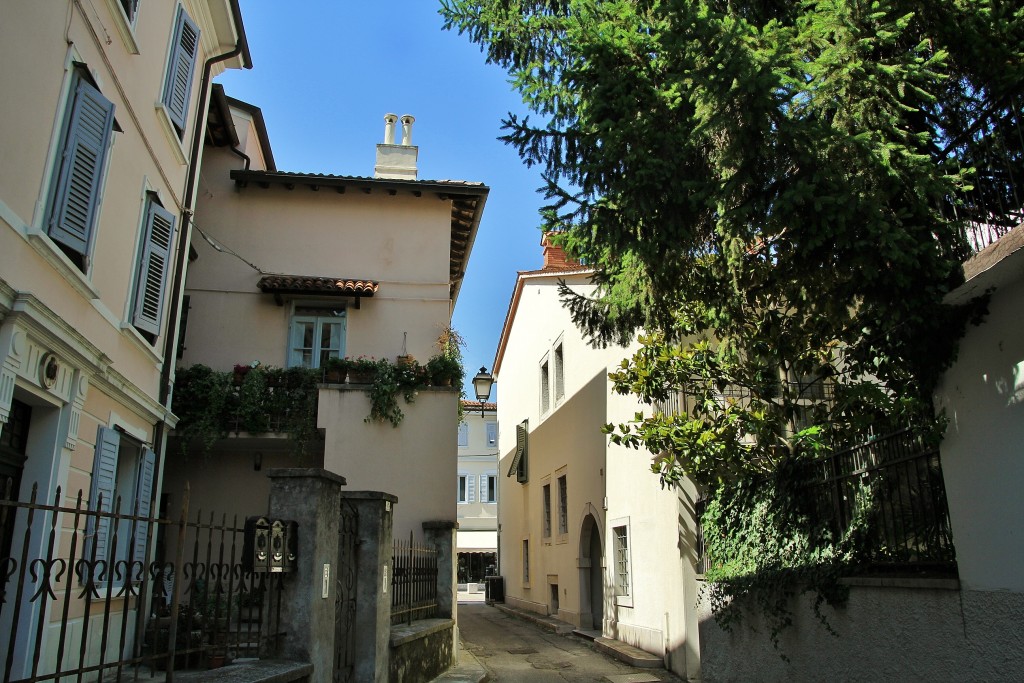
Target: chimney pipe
{"points": [[407, 121], [389, 128]]}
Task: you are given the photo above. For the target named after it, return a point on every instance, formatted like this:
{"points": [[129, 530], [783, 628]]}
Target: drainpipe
{"points": [[177, 278]]}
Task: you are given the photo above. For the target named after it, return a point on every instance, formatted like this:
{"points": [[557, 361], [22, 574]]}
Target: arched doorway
{"points": [[591, 574]]}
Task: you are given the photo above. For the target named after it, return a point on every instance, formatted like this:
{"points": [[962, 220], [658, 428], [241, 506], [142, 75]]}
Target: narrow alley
{"points": [[511, 650]]}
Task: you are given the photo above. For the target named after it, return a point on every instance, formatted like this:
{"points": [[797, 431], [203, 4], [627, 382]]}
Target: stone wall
{"points": [[885, 633], [421, 651]]}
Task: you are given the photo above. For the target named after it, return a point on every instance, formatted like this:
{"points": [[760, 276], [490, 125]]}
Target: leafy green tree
{"points": [[775, 190]]}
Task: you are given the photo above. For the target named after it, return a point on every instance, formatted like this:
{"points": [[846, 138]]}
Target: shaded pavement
{"points": [[512, 650]]}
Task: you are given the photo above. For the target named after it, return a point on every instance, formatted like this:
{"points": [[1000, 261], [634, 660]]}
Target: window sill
{"points": [[49, 250], [171, 132], [126, 30], [129, 331], [624, 601]]}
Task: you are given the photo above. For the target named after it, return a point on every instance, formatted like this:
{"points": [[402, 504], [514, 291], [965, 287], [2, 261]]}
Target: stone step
{"points": [[633, 656]]}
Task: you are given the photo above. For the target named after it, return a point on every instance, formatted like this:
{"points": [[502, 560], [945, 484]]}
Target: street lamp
{"points": [[482, 384]]}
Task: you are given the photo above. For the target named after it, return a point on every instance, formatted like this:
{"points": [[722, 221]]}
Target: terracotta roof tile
{"points": [[300, 284]]}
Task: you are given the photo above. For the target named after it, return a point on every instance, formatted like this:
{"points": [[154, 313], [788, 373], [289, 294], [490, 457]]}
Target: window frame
{"points": [[113, 447], [492, 434], [563, 506], [545, 385], [526, 562], [558, 356], [622, 562], [308, 313], [546, 527], [462, 488], [487, 480]]}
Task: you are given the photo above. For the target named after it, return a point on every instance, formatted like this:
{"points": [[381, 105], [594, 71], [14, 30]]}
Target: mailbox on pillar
{"points": [[270, 545]]}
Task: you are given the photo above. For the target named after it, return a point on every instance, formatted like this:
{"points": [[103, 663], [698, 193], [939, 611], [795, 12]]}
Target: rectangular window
{"points": [[492, 434], [620, 536], [463, 434], [563, 506], [122, 473], [547, 510], [559, 374], [180, 66], [315, 338], [545, 388], [463, 494], [85, 143], [151, 273], [526, 561], [130, 7], [488, 488]]}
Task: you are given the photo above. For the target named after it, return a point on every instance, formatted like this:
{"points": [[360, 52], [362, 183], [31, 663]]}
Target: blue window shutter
{"points": [[144, 497], [104, 480], [158, 233], [81, 168], [184, 52]]}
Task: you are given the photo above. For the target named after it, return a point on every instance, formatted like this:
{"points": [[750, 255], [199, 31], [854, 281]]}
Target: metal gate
{"points": [[345, 595]]}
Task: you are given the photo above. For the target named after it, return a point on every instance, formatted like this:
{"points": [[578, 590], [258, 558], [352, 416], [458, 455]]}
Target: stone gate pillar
{"points": [[373, 589], [441, 535], [311, 497]]}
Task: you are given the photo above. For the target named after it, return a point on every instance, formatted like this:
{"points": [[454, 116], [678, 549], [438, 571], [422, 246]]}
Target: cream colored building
{"points": [[368, 266], [586, 532], [477, 495], [98, 131]]}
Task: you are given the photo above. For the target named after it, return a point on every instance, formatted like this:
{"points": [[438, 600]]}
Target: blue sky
{"points": [[325, 73]]}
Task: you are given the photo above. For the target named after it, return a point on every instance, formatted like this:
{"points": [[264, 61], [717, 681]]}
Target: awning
{"points": [[470, 541]]}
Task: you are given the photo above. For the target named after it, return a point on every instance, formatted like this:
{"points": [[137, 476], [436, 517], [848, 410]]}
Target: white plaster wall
{"points": [[402, 242], [983, 451], [884, 634], [413, 461]]}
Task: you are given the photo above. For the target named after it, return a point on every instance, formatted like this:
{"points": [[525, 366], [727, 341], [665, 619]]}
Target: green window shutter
{"points": [[144, 497], [104, 480], [76, 199], [184, 52], [156, 254]]}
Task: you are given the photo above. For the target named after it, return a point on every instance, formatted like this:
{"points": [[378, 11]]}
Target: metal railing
{"points": [[72, 607], [908, 520], [413, 582]]}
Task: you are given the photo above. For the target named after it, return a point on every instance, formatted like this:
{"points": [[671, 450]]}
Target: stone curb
{"points": [[549, 623], [467, 670]]}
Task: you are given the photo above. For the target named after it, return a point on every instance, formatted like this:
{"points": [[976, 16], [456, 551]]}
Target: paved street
{"points": [[514, 651]]}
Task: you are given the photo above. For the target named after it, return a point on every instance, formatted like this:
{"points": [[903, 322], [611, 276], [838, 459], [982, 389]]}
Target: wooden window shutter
{"points": [[143, 499], [76, 199], [185, 50], [104, 480], [470, 481], [156, 255]]}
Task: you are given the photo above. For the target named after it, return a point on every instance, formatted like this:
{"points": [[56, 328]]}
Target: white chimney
{"points": [[397, 161]]}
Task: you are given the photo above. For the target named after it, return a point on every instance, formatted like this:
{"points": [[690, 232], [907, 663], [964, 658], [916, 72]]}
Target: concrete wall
{"points": [[983, 451], [884, 634], [412, 461]]}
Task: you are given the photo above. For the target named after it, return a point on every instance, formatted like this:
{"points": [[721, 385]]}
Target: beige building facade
{"points": [[295, 268], [476, 493], [586, 533], [98, 131]]}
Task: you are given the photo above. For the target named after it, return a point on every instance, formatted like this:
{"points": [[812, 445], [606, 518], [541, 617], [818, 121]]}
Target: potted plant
{"points": [[444, 370], [335, 370], [361, 370]]}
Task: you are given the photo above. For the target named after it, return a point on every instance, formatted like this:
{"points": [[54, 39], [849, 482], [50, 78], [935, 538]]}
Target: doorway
{"points": [[591, 575]]}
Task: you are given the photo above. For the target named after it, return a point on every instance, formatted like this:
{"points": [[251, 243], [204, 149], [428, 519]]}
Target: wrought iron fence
{"points": [[413, 582], [73, 606], [908, 518]]}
